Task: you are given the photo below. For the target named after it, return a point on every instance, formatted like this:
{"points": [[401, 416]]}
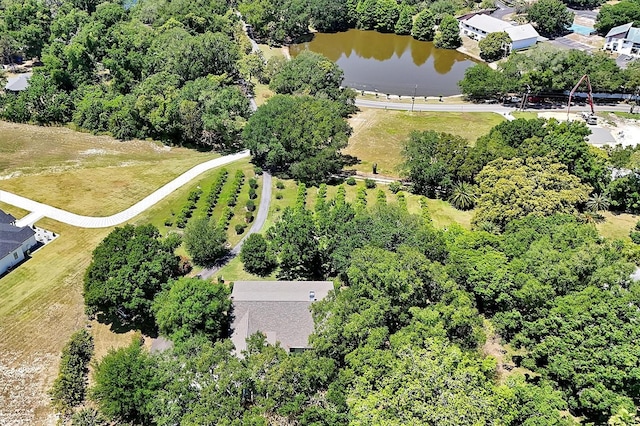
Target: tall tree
{"points": [[551, 17], [298, 135], [532, 186], [193, 306], [204, 241], [494, 46], [423, 26], [448, 36], [256, 255]]}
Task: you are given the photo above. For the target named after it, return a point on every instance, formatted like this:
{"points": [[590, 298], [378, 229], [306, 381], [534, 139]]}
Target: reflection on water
{"points": [[390, 63]]}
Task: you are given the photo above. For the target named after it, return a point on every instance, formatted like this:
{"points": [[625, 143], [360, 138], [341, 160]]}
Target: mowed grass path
{"points": [[86, 174], [378, 135]]}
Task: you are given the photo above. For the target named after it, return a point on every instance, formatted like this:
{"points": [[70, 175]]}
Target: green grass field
{"points": [[378, 134], [525, 114]]}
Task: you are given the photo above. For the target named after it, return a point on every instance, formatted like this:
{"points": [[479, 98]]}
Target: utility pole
{"points": [[413, 98]]}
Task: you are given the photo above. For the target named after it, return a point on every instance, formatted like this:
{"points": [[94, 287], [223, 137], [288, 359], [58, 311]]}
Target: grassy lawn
{"points": [[83, 173], [617, 226], [378, 134], [524, 114]]}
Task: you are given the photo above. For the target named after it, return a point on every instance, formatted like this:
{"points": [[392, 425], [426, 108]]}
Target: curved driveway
{"points": [[40, 210]]}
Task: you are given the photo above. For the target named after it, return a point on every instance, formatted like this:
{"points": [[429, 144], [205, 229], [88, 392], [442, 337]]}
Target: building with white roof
{"points": [[623, 39], [18, 83], [479, 26]]}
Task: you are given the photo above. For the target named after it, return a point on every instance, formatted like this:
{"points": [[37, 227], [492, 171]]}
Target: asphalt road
{"points": [[258, 223], [467, 107]]}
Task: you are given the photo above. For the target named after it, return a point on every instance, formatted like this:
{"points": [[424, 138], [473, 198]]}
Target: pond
{"points": [[389, 63]]}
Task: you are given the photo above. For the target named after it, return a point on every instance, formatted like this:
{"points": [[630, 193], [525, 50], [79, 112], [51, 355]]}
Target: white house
{"points": [[479, 26], [14, 242], [623, 39], [278, 309]]}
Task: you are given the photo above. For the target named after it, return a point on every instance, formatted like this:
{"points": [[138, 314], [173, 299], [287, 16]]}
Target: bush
{"points": [[253, 183], [252, 194], [251, 205], [240, 228], [395, 187], [280, 184], [278, 195], [257, 170], [168, 222], [370, 183], [248, 216], [635, 236], [350, 181]]}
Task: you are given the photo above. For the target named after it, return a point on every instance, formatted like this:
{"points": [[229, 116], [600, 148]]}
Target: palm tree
{"points": [[463, 196], [597, 203]]}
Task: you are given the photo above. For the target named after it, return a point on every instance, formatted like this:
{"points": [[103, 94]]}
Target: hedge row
{"points": [[216, 189]]}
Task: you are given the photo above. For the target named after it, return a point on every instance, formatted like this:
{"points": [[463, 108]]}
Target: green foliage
{"points": [[276, 21], [380, 15], [395, 186], [205, 242], [128, 268], [512, 189], [448, 36], [361, 198], [294, 236], [280, 184], [463, 196], [494, 46], [331, 15], [624, 193], [192, 306], [310, 134], [125, 384], [369, 183], [433, 161], [405, 20], [256, 256], [381, 197], [88, 417], [551, 17], [481, 81], [70, 387], [308, 73], [351, 181], [423, 26], [612, 15]]}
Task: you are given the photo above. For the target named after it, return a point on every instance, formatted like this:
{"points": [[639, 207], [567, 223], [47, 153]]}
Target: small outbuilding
{"points": [[18, 83], [278, 309], [15, 242]]}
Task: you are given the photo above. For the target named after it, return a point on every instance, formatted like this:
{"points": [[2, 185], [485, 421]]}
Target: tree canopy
{"points": [[128, 268], [550, 16], [298, 135]]}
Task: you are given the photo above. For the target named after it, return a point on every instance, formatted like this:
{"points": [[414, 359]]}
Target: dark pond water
{"points": [[390, 63]]}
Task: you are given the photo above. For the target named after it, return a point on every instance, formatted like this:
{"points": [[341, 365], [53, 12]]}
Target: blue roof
{"points": [[633, 35]]}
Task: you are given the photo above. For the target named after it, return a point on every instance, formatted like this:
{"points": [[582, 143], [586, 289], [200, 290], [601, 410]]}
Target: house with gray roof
{"points": [[479, 26], [278, 309], [624, 40], [18, 83], [14, 242]]}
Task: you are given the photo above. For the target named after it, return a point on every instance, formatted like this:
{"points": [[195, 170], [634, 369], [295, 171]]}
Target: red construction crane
{"points": [[592, 118]]}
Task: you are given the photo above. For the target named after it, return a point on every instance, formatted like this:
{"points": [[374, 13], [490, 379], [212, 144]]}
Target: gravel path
{"points": [[40, 210]]}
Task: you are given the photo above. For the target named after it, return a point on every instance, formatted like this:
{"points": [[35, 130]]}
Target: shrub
{"points": [[350, 181], [278, 195], [251, 205], [168, 222], [257, 170], [248, 216], [280, 184], [252, 194], [395, 187], [370, 183], [635, 236], [253, 183], [240, 228]]}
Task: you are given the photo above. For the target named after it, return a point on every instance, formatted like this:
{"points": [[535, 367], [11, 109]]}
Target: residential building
{"points": [[14, 242], [623, 39], [479, 26], [278, 309]]}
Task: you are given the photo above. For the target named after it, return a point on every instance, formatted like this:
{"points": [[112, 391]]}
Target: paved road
{"points": [[40, 210], [502, 10], [258, 223], [497, 108]]}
